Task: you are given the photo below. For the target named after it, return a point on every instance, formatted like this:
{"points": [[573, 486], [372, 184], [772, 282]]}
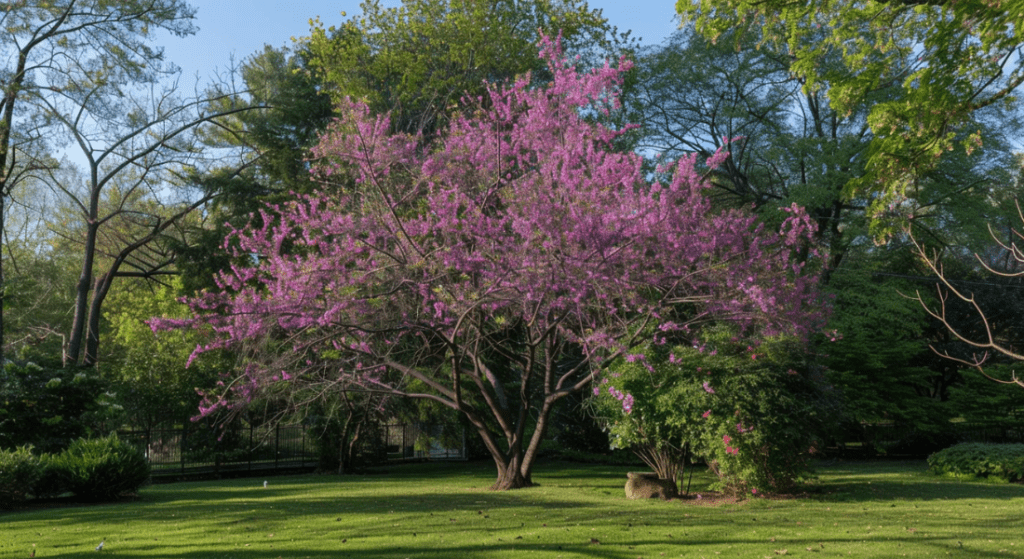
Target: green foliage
{"points": [[755, 411], [274, 139], [148, 373], [99, 469], [419, 59], [48, 407], [944, 63], [984, 460], [877, 363], [979, 400], [39, 277], [19, 472]]}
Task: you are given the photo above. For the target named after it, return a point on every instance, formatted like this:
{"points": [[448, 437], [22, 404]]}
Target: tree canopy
{"points": [[941, 61], [418, 60], [497, 271]]}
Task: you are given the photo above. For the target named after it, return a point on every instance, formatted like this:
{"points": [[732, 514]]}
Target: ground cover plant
{"points": [[855, 509], [1000, 462]]}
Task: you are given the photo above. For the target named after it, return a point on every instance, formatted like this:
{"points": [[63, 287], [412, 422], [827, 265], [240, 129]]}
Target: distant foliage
{"points": [[984, 460], [19, 471], [98, 469]]}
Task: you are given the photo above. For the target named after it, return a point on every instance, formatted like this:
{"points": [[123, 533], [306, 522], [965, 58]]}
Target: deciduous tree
{"points": [[942, 62], [71, 49], [495, 271], [417, 60], [975, 312]]}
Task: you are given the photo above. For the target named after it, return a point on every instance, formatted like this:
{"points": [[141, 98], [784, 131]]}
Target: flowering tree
{"points": [[496, 271]]}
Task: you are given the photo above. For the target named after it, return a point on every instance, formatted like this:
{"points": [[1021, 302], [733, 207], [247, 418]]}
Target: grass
{"points": [[855, 509]]}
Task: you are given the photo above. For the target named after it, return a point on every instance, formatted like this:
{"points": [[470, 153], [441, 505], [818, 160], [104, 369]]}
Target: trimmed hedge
{"points": [[97, 469], [985, 460], [19, 471]]}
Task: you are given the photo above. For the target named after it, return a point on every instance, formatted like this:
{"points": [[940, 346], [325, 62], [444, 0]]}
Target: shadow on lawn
{"points": [[910, 480]]}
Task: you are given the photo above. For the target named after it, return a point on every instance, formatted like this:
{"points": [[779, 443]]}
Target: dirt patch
{"points": [[713, 498]]}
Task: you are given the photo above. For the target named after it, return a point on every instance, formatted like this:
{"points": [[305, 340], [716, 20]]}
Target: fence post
{"points": [[277, 444], [181, 451], [251, 448]]}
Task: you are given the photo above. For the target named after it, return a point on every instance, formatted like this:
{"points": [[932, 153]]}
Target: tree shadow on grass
{"points": [[902, 480]]}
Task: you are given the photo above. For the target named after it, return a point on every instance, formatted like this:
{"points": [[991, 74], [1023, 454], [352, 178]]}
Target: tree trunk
{"points": [[84, 286], [510, 475], [515, 465], [343, 447]]}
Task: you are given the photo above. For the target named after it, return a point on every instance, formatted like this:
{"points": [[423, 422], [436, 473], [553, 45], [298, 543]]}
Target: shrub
{"points": [[52, 480], [48, 406], [985, 460], [19, 471], [753, 410], [99, 469]]}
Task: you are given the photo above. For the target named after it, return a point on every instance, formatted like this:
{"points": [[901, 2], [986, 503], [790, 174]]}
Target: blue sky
{"points": [[242, 27]]}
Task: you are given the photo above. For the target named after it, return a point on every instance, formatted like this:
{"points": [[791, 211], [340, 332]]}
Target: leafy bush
{"points": [[754, 411], [98, 469], [19, 471], [52, 482], [986, 460]]}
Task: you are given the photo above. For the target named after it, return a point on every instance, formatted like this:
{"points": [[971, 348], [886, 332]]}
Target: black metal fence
{"points": [[424, 442], [252, 449], [240, 449]]}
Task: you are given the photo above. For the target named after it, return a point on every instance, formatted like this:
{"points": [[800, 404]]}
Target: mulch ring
{"points": [[713, 498]]}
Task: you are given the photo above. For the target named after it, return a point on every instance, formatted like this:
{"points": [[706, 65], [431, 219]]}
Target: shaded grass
{"points": [[869, 509]]}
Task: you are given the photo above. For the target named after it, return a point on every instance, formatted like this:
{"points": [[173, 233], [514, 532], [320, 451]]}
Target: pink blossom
{"points": [[706, 414], [518, 222]]}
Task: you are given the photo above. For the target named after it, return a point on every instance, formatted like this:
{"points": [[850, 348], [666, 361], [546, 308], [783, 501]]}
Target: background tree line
{"points": [[118, 188]]}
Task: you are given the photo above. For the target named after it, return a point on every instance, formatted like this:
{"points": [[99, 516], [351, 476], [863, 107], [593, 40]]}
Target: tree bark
{"points": [[510, 475]]}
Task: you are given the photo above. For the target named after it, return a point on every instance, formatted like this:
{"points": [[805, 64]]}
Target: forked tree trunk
{"points": [[515, 466], [511, 476]]}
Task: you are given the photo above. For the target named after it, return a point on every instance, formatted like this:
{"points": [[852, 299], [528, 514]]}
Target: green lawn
{"points": [[873, 509]]}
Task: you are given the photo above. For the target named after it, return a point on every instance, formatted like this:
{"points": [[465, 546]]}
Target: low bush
{"points": [[52, 482], [986, 460], [19, 471], [98, 469], [754, 410]]}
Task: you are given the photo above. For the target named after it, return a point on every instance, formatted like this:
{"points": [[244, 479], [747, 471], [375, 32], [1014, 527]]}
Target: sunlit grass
{"points": [[445, 511]]}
